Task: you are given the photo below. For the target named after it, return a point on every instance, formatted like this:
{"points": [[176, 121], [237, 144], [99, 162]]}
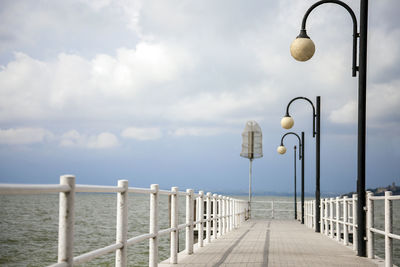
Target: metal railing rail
{"points": [[222, 213], [339, 218]]}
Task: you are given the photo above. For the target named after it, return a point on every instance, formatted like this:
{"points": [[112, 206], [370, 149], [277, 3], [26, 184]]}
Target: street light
{"points": [[282, 150], [287, 122], [301, 50], [251, 149]]}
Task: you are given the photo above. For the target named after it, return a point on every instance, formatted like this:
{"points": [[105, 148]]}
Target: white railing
{"points": [[339, 220], [221, 215], [387, 232], [272, 207]]}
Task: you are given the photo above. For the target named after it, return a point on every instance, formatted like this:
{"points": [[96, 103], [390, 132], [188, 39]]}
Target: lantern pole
{"points": [[250, 173]]}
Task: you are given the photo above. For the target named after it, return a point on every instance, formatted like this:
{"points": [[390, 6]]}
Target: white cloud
{"points": [[345, 114], [22, 136], [103, 140], [198, 131], [142, 134]]}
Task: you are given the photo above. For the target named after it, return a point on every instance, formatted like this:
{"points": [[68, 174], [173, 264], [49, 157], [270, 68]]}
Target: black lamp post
{"points": [[303, 49], [287, 123], [282, 150]]}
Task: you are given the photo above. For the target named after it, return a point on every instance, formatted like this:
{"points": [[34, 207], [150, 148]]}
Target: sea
{"points": [[29, 226]]}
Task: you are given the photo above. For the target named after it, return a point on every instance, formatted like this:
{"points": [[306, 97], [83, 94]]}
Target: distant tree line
{"points": [[380, 191]]}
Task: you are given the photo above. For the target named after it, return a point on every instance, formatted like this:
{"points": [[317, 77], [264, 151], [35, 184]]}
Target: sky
{"points": [[159, 92]]}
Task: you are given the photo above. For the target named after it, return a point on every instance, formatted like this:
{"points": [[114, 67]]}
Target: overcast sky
{"points": [[160, 91]]}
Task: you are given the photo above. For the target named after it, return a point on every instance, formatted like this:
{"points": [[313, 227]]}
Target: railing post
{"points": [[337, 219], [189, 221], [122, 224], [66, 221], [388, 229], [331, 215], [321, 211], [345, 221], [230, 214], [370, 224], [153, 242], [174, 224], [220, 214], [223, 214], [326, 217], [215, 215], [201, 218], [208, 223], [355, 226]]}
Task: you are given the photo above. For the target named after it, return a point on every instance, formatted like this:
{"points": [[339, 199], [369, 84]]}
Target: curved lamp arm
{"points": [[298, 137], [313, 107], [303, 32]]}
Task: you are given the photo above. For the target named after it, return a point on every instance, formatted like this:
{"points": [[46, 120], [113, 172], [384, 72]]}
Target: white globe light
{"points": [[287, 122], [302, 49], [281, 150]]}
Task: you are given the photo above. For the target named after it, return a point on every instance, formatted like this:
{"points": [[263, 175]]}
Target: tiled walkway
{"points": [[272, 243]]}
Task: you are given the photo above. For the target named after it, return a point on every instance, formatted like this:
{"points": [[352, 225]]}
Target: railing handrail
{"points": [[230, 212]]}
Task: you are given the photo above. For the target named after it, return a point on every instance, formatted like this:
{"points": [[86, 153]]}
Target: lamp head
{"points": [[302, 48], [287, 122], [281, 149]]}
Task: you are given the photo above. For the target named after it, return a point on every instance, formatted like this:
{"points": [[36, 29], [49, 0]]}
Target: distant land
{"points": [[380, 191]]}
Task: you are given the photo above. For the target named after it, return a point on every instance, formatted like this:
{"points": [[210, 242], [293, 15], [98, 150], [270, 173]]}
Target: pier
{"points": [[272, 243], [226, 236]]}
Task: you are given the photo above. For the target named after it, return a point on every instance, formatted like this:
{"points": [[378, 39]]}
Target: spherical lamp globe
{"points": [[302, 49], [281, 150], [287, 122]]}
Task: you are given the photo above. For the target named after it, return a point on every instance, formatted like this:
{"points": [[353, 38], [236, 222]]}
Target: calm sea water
{"points": [[29, 227]]}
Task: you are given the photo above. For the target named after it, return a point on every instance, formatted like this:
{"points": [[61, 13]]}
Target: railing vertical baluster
{"points": [[272, 209], [355, 226], [208, 223], [370, 224], [122, 224], [337, 219], [189, 221], [201, 219], [388, 230], [345, 221], [174, 224], [331, 216], [215, 215], [66, 221], [153, 242]]}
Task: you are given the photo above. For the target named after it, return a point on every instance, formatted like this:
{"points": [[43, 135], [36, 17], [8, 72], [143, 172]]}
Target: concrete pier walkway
{"points": [[272, 243]]}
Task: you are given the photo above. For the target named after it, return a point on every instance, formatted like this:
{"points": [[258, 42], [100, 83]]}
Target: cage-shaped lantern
{"points": [[251, 141]]}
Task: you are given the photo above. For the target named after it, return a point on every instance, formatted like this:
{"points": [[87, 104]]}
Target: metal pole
{"points": [[189, 221], [302, 177], [295, 185], [317, 167], [174, 247], [153, 242], [250, 173], [122, 224], [66, 221], [362, 92]]}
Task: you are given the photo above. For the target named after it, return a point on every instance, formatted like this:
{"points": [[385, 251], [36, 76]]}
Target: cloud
{"points": [[142, 134], [24, 136], [198, 131], [103, 140], [346, 114]]}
